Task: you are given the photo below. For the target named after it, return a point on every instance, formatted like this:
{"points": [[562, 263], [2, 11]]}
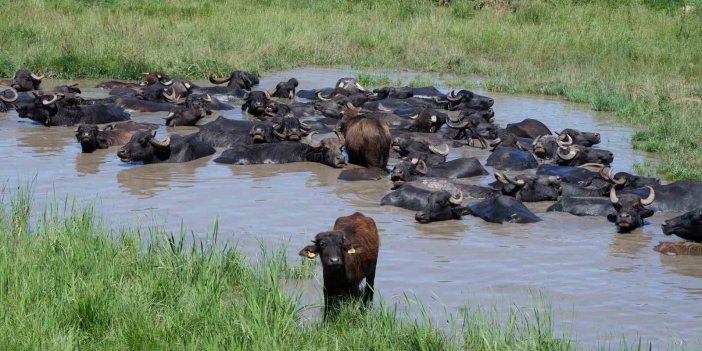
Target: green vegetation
{"points": [[641, 59], [70, 283]]}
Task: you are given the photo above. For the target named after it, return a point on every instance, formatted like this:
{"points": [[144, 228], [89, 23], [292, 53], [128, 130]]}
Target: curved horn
{"points": [[613, 196], [651, 196], [350, 106], [564, 140], [536, 141], [56, 97], [168, 82], [502, 177], [305, 127], [457, 200], [569, 156], [36, 77], [441, 150], [207, 98], [414, 116], [323, 98], [268, 95], [160, 144], [187, 85], [170, 97], [279, 134], [457, 125], [452, 96], [215, 80], [308, 140], [170, 114], [12, 99]]}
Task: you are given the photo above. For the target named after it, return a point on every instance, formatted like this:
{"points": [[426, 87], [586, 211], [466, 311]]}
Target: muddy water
{"points": [[602, 285]]}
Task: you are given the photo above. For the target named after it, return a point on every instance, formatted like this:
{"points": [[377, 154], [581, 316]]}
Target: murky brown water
{"points": [[602, 285]]}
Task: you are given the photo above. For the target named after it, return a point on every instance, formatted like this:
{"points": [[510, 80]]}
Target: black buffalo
{"points": [[441, 206], [687, 226], [285, 90], [406, 171], [327, 152], [508, 158], [427, 121], [47, 111], [584, 206], [528, 128], [466, 99], [528, 188], [185, 117], [237, 79], [25, 80], [581, 138], [225, 133], [92, 138], [143, 146], [256, 103], [502, 209], [631, 210]]}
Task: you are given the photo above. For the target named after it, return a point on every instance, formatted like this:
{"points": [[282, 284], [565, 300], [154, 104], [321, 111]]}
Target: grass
{"points": [[70, 283], [641, 59]]}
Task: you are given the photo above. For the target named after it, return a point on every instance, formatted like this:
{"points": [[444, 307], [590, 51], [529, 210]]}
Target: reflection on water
{"points": [[601, 283]]}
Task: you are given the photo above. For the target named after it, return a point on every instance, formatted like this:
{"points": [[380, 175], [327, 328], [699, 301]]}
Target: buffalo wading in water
{"points": [[25, 80], [143, 146], [349, 254], [367, 141], [92, 138], [631, 210], [47, 111], [442, 206]]}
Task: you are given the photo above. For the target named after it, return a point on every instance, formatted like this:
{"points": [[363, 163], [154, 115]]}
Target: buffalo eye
{"points": [[143, 141]]}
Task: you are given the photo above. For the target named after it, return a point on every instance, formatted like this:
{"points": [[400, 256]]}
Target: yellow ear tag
{"points": [[351, 251], [311, 255]]}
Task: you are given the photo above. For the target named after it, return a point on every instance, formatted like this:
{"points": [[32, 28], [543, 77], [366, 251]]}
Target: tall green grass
{"points": [[641, 59], [68, 282]]}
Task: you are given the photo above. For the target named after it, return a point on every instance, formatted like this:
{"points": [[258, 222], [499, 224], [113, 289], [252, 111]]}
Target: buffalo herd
{"points": [[401, 133]]}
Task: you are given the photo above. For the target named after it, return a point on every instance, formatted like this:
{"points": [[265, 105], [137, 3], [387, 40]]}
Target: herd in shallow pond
{"points": [[348, 124]]}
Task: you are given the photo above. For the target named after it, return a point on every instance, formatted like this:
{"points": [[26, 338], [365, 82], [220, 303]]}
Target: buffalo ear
{"points": [[309, 251], [612, 217], [647, 212]]}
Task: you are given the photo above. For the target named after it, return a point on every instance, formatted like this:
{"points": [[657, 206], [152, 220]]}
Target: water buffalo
{"points": [[409, 148], [631, 210], [290, 128], [622, 180], [349, 254], [508, 158], [393, 92], [581, 175], [466, 99], [414, 195], [7, 97], [92, 138], [442, 206], [143, 146], [545, 146], [237, 79], [285, 90], [586, 139], [185, 117], [225, 133], [528, 188], [584, 206], [406, 171], [48, 112], [502, 209], [473, 126], [25, 80], [427, 121], [687, 226], [569, 154], [327, 152], [256, 103], [367, 141], [528, 128]]}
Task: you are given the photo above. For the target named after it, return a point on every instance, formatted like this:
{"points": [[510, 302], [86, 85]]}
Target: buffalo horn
{"points": [[650, 198], [503, 178], [308, 140], [441, 150], [305, 127], [55, 98], [456, 200], [207, 98], [12, 99], [613, 196], [414, 116], [452, 96], [36, 77], [160, 144], [268, 95], [569, 156], [323, 98], [564, 140], [215, 80]]}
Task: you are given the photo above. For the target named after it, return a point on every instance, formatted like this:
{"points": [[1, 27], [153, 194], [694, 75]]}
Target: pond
{"points": [[602, 285]]}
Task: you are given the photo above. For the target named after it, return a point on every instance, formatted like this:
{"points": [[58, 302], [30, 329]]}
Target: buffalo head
{"points": [[442, 206], [25, 80], [631, 209], [143, 146]]}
